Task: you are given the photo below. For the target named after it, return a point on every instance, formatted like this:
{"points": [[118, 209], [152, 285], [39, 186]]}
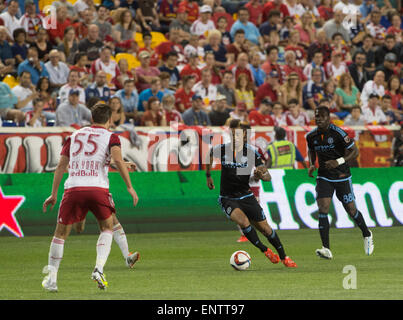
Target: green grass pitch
{"points": [[195, 265]]}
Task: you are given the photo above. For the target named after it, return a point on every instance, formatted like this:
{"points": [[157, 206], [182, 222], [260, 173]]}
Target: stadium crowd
{"points": [[201, 63]]}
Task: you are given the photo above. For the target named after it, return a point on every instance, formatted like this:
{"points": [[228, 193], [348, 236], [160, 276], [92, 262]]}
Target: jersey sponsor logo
{"points": [[229, 209], [324, 148]]}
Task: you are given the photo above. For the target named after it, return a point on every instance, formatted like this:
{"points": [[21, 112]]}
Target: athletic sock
{"points": [[120, 238], [276, 243], [359, 220], [55, 255], [103, 249], [252, 236], [324, 229]]}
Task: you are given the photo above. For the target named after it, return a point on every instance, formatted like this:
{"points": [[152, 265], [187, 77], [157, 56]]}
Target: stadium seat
{"points": [[131, 60], [138, 37], [157, 38], [10, 80]]}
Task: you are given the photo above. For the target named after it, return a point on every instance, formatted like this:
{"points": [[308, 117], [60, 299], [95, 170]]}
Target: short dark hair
{"points": [[101, 113], [292, 101], [356, 106], [18, 31], [239, 31], [271, 48], [388, 36], [274, 13], [324, 109], [79, 55], [92, 102], [171, 54], [242, 8], [279, 133], [336, 34], [234, 123], [22, 73], [386, 96]]}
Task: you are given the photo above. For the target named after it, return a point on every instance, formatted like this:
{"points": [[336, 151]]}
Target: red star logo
{"points": [[9, 206]]}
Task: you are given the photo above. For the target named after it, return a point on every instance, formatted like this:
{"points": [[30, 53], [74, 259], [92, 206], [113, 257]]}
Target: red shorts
{"points": [[77, 202]]}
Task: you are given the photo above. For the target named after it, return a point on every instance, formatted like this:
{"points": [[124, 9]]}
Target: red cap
{"points": [[241, 106]]}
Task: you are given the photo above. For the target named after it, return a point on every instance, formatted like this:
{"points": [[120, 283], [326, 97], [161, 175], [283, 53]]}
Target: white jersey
{"points": [[89, 152]]}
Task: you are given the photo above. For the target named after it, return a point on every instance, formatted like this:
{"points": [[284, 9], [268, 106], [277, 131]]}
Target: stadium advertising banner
{"points": [[181, 201], [175, 148]]}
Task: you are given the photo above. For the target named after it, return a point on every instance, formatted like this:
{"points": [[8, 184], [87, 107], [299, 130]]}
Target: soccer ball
{"points": [[240, 260]]}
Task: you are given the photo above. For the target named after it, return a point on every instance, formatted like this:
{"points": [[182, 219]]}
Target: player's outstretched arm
{"points": [[116, 154], [57, 178], [209, 162], [312, 159]]}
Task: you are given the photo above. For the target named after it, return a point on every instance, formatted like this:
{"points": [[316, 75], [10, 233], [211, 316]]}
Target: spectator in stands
{"points": [[82, 66], [347, 94], [219, 115], [393, 90], [123, 31], [374, 27], [170, 67], [105, 27], [25, 92], [99, 88], [147, 40], [165, 88], [148, 16], [154, 115], [69, 46], [372, 112], [72, 112], [368, 49], [91, 44], [291, 89], [153, 91], [168, 109], [355, 118], [272, 63], [239, 113], [145, 73], [244, 91], [236, 47], [6, 53], [306, 29], [396, 27], [317, 63], [71, 12], [172, 44], [210, 64], [58, 70], [222, 26], [124, 73], [184, 94], [20, 47], [42, 44], [273, 22], [255, 9], [33, 65], [192, 8], [191, 68], [62, 22], [338, 44], [227, 88], [320, 44], [204, 23], [275, 5], [130, 100], [81, 27], [388, 66], [7, 102], [195, 116], [262, 116], [205, 89], [313, 91], [10, 19], [391, 115], [45, 94], [167, 10], [294, 46], [73, 82], [105, 63], [278, 114], [181, 23], [270, 89], [214, 44], [335, 25], [373, 87], [118, 114], [336, 67], [36, 118], [397, 149], [80, 6], [251, 31], [255, 67], [357, 70], [295, 116], [31, 21]]}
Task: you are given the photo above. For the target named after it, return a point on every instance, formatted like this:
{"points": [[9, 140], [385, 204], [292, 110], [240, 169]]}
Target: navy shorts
{"points": [[344, 190], [248, 205]]}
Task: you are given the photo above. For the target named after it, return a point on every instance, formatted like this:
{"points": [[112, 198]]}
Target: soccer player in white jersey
{"points": [[87, 155]]}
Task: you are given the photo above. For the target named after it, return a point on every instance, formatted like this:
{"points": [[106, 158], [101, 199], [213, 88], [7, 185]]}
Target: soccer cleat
{"points": [[324, 253], [274, 258], [47, 282], [132, 259], [369, 245], [242, 239], [99, 277], [288, 262]]}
